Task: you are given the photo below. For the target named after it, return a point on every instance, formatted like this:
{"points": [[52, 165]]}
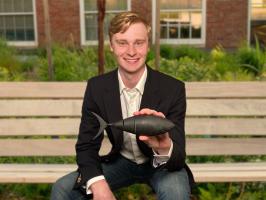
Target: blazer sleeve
{"points": [[87, 149], [176, 113]]}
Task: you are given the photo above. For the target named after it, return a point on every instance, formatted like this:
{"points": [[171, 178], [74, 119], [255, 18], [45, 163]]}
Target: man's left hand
{"points": [[161, 143]]}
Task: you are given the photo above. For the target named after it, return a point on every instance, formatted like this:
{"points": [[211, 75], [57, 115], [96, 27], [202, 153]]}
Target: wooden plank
{"points": [[194, 126], [208, 172], [43, 147], [14, 167], [226, 107], [225, 126], [42, 89], [229, 172], [30, 108], [76, 89], [226, 146], [196, 107], [39, 126], [195, 146], [226, 89], [30, 177]]}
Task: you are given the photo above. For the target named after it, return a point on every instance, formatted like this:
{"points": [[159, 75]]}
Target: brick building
{"points": [[203, 23]]}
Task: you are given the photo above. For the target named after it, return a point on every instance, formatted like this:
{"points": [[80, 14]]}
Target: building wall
{"points": [[144, 8], [64, 20], [227, 23]]}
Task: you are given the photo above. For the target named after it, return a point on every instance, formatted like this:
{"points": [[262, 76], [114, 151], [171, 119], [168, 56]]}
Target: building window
{"points": [[17, 21], [182, 21], [258, 22], [89, 18]]}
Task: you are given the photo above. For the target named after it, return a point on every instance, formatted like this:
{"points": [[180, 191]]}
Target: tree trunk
{"points": [[101, 14], [48, 39], [157, 36]]}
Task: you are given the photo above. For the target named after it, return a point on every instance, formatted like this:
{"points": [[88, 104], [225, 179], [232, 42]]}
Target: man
{"points": [[132, 89]]}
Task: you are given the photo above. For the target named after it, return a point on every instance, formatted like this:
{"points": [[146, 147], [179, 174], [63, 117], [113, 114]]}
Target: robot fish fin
{"points": [[102, 123]]}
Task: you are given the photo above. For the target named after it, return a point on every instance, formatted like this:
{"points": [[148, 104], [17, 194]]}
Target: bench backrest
{"points": [[42, 119]]}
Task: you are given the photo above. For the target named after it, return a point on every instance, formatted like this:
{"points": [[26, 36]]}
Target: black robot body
{"points": [[148, 125]]}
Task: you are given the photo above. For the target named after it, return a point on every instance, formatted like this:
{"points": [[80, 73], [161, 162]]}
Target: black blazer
{"points": [[161, 93]]}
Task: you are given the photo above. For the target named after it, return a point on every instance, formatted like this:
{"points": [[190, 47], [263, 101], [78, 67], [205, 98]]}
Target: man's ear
{"points": [[110, 45], [111, 48]]}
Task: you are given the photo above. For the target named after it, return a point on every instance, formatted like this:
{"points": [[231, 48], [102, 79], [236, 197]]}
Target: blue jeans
{"points": [[122, 172]]}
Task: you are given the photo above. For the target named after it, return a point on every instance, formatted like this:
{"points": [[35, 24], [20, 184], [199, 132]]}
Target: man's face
{"points": [[131, 48]]}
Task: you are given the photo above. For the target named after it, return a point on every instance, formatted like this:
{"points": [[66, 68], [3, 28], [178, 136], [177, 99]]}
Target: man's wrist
{"points": [[99, 185], [165, 149]]}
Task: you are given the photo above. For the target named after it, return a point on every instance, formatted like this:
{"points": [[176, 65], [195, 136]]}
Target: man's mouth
{"points": [[131, 60]]}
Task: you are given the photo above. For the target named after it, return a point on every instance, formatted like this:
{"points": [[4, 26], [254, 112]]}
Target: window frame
{"points": [[191, 41], [82, 12], [250, 7], [28, 43]]}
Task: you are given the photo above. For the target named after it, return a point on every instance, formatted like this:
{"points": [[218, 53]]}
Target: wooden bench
{"points": [[42, 119]]}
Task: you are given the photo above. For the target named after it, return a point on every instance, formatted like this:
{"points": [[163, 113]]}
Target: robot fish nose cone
{"points": [[157, 125], [168, 125]]}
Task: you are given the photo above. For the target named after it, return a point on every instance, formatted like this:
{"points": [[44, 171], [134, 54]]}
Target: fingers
{"points": [[147, 111], [151, 141]]}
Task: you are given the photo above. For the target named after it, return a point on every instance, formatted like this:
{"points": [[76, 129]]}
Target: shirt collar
{"points": [[140, 85]]}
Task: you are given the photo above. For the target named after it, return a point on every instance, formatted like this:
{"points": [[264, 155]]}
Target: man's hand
{"points": [[101, 191], [160, 144]]}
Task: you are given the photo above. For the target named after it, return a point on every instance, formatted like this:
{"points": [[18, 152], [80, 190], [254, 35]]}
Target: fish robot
{"points": [[148, 125]]}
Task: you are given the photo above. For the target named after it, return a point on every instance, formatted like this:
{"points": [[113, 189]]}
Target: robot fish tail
{"points": [[102, 123]]}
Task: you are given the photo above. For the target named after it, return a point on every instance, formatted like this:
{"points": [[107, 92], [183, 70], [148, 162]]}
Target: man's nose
{"points": [[131, 51]]}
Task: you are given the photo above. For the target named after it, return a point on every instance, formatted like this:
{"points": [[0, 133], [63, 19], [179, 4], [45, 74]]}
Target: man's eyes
{"points": [[124, 43], [139, 43], [121, 43]]}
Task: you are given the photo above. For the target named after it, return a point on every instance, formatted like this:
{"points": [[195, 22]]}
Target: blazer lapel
{"points": [[113, 106], [151, 100]]}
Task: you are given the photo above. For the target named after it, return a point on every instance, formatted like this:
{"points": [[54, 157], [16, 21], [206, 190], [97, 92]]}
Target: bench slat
{"points": [[196, 107], [42, 90], [226, 146], [194, 89], [214, 172], [194, 126], [29, 108], [225, 126], [226, 89], [43, 147], [39, 126], [226, 107], [195, 146]]}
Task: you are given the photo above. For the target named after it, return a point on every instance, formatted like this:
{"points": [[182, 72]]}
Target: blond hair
{"points": [[122, 21]]}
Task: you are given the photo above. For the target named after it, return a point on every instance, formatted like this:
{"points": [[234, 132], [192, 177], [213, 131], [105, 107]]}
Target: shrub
{"points": [[9, 63], [167, 52], [252, 59], [69, 64], [185, 69], [190, 51], [225, 67]]}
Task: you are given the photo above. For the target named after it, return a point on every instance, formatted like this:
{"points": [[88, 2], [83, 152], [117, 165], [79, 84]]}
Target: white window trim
{"points": [[27, 44], [198, 42], [249, 21], [83, 40]]}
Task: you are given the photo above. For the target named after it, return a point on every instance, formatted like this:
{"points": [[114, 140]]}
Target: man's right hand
{"points": [[101, 191]]}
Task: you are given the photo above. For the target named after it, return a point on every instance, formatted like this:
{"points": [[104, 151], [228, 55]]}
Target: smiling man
{"points": [[132, 89]]}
